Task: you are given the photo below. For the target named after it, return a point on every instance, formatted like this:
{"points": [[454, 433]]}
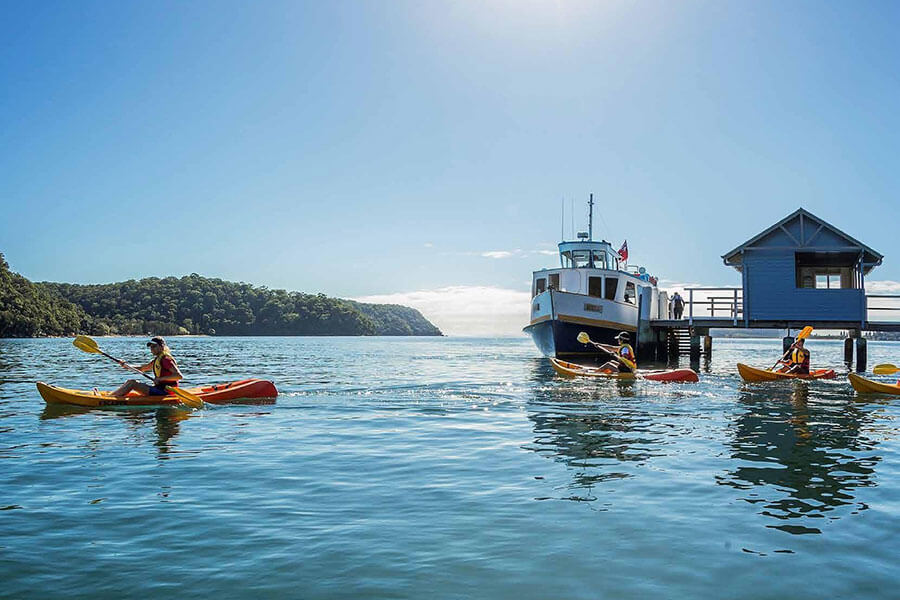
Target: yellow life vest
{"points": [[798, 355], [626, 353], [157, 362]]}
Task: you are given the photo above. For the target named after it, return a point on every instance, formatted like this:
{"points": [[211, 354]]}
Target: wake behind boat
{"points": [[592, 290]]}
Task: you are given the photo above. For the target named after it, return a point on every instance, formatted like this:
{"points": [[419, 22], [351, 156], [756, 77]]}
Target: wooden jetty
{"points": [[800, 271]]}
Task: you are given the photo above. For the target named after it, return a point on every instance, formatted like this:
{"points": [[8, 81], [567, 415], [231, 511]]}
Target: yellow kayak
{"points": [[753, 374], [575, 370], [867, 386], [248, 389]]}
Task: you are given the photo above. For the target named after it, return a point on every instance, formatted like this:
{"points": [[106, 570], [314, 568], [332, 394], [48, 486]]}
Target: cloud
{"points": [[883, 287], [497, 254], [466, 310]]}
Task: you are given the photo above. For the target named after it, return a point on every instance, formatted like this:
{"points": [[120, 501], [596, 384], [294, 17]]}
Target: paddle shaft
{"points": [[127, 366]]}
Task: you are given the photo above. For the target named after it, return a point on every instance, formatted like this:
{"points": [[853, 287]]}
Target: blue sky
{"points": [[383, 149]]}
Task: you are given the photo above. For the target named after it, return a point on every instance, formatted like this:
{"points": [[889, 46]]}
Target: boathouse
{"points": [[800, 271], [803, 269]]}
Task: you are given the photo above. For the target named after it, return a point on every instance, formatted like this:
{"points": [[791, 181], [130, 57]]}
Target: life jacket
{"points": [[800, 356], [626, 353], [157, 365]]}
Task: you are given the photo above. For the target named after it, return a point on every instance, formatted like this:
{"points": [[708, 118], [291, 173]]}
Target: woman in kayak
{"points": [[165, 372], [798, 361], [625, 361]]}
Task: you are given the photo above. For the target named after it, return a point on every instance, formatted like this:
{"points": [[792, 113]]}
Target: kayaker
{"points": [[798, 359], [165, 372], [625, 361]]}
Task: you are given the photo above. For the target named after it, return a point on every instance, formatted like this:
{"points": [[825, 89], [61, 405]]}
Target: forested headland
{"points": [[189, 305]]}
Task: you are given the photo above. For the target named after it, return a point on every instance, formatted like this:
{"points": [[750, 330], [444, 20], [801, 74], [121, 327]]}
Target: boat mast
{"points": [[591, 218]]}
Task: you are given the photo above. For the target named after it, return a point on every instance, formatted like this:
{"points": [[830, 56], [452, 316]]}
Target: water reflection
{"points": [[166, 421], [589, 425], [802, 459]]}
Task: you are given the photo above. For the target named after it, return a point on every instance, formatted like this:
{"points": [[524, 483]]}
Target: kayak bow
{"points": [[575, 370], [867, 386], [753, 374], [237, 391]]}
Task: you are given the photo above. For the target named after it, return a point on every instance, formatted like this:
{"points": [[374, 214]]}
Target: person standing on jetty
{"points": [[625, 361], [165, 372], [677, 305]]}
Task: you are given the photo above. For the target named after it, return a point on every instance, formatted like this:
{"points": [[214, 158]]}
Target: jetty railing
{"points": [[882, 307], [726, 303]]}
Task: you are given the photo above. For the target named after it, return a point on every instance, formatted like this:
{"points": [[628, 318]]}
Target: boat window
{"points": [[554, 281], [600, 261], [629, 292], [581, 258], [612, 283], [595, 287], [539, 286], [567, 260]]}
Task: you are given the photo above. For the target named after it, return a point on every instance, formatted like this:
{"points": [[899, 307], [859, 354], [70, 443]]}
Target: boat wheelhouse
{"points": [[593, 291]]}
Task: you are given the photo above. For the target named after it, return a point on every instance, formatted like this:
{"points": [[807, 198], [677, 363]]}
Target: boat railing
{"points": [[726, 303], [882, 307]]}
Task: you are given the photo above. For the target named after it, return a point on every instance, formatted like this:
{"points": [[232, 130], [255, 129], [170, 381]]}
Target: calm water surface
{"points": [[446, 468]]}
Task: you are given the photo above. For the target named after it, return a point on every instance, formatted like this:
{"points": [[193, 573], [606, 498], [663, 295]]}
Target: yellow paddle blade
{"points": [[885, 369], [583, 338], [83, 342], [187, 398], [804, 333]]}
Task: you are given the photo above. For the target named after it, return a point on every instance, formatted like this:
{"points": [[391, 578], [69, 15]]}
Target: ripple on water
{"points": [[452, 467]]}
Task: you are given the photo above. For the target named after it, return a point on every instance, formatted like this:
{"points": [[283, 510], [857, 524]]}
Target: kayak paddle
{"points": [[885, 369], [804, 333], [86, 344]]}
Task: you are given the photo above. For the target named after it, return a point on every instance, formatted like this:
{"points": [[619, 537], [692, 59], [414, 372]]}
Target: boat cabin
{"points": [[591, 269]]}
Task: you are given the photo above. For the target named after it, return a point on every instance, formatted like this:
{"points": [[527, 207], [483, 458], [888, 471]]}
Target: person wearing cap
{"points": [[625, 361], [165, 372]]}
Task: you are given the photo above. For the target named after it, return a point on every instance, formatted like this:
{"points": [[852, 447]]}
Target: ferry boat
{"points": [[593, 290]]}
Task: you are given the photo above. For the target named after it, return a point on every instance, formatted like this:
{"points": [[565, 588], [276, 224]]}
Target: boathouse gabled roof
{"points": [[803, 231]]}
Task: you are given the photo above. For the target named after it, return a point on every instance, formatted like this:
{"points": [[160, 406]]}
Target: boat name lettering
{"points": [[537, 306], [593, 308]]}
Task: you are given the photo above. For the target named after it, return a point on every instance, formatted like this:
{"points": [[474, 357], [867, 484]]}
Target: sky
{"points": [[420, 152]]}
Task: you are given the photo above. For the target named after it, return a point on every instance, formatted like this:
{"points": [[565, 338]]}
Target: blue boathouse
{"points": [[803, 270], [800, 271]]}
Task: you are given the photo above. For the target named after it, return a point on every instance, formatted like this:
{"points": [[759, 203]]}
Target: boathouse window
{"points": [[629, 292], [539, 286], [554, 281], [595, 287], [827, 270], [612, 283]]}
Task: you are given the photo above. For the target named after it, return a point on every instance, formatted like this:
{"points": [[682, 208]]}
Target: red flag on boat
{"points": [[623, 251]]}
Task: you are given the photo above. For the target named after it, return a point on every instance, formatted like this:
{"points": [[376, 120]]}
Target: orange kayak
{"points": [[237, 391], [575, 370], [753, 374]]}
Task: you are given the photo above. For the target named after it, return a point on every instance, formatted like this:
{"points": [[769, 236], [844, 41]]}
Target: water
{"points": [[445, 468]]}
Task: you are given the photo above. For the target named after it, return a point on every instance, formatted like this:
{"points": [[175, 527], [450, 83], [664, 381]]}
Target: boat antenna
{"points": [[572, 211], [562, 220], [591, 218]]}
